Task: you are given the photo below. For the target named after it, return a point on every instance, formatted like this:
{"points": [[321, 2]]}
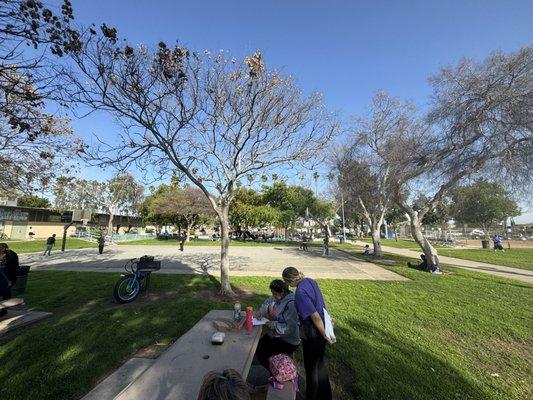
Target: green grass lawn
{"points": [[433, 337], [215, 243], [518, 258], [31, 246]]}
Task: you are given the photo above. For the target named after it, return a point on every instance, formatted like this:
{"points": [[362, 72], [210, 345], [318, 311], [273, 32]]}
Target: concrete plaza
{"points": [[244, 261]]}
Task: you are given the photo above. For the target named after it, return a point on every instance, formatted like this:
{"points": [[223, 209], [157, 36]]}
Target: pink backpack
{"points": [[282, 369]]}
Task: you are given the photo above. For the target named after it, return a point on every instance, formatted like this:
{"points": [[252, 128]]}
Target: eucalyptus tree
{"points": [[364, 174], [479, 123]]}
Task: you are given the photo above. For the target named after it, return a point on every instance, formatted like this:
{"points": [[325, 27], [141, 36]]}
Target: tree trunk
{"points": [[225, 287], [376, 240], [429, 251], [110, 223], [189, 226]]}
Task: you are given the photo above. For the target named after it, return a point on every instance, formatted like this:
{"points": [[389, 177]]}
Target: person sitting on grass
{"points": [[423, 266], [283, 335], [225, 385], [367, 251], [497, 239]]}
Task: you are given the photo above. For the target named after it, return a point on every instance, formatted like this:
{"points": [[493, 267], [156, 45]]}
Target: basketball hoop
{"points": [[84, 222]]}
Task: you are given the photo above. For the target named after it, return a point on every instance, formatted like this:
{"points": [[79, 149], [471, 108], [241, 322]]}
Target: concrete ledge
{"points": [[118, 380], [17, 319]]}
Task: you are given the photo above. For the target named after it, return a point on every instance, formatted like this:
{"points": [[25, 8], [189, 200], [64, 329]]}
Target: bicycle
{"points": [[129, 286]]}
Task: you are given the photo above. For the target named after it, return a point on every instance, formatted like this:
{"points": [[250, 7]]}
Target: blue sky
{"points": [[347, 50]]}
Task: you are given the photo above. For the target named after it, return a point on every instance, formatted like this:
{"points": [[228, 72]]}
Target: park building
{"points": [[39, 223]]}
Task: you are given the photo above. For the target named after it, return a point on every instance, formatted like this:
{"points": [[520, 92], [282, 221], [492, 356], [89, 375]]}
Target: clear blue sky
{"points": [[346, 50]]}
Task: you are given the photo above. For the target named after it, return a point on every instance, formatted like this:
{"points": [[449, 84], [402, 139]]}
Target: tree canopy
{"points": [[35, 145], [482, 204], [171, 205], [28, 200]]}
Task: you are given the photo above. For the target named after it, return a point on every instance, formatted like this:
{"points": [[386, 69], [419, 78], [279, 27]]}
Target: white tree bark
{"points": [[375, 228], [223, 214], [429, 251]]}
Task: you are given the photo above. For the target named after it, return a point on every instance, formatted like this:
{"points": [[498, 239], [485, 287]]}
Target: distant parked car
{"points": [[477, 233]]}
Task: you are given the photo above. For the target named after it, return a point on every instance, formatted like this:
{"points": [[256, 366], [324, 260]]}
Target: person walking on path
{"points": [[305, 239], [50, 242], [9, 263], [183, 238], [101, 243], [325, 251], [310, 305]]}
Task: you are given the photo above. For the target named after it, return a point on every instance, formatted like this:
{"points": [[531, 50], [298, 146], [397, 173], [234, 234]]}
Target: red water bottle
{"points": [[249, 318]]}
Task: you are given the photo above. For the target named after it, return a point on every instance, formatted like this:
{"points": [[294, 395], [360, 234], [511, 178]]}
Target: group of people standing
{"points": [[304, 239], [297, 319], [294, 320]]}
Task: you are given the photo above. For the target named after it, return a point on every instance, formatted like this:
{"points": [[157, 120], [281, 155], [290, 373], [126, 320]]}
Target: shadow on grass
{"points": [[369, 364], [89, 335]]}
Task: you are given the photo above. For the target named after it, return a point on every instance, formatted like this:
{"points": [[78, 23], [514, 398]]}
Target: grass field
{"points": [[31, 246], [518, 258], [460, 336]]}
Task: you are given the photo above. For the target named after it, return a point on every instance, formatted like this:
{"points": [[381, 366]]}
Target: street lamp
{"points": [[343, 229]]}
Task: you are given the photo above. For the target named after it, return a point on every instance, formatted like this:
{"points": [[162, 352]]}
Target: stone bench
{"points": [[178, 373], [6, 304], [18, 315]]}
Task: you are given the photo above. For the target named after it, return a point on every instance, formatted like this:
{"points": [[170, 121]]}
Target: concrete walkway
{"points": [[244, 261], [523, 275]]}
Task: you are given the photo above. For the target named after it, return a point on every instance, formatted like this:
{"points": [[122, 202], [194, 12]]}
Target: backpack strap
{"points": [[285, 309]]}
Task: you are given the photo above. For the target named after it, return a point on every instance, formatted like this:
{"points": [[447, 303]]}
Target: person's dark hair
{"points": [[225, 385], [4, 246], [423, 256], [291, 274], [278, 286]]}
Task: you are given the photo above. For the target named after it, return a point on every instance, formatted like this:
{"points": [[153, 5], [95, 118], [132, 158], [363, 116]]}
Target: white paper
{"points": [[328, 325], [261, 321]]}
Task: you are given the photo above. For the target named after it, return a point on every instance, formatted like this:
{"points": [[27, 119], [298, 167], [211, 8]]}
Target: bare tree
{"points": [[33, 143], [480, 123], [218, 121], [364, 173]]}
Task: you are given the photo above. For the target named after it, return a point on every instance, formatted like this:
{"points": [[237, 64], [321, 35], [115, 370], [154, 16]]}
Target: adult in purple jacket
{"points": [[310, 305]]}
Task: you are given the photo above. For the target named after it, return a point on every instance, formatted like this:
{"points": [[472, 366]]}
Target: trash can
{"points": [[22, 279], [485, 244]]}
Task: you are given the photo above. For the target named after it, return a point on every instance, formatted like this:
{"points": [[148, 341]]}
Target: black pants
{"points": [[5, 287], [100, 248], [269, 346], [317, 386]]}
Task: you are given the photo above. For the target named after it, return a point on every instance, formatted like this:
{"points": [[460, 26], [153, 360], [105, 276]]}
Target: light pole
{"points": [[343, 230]]}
